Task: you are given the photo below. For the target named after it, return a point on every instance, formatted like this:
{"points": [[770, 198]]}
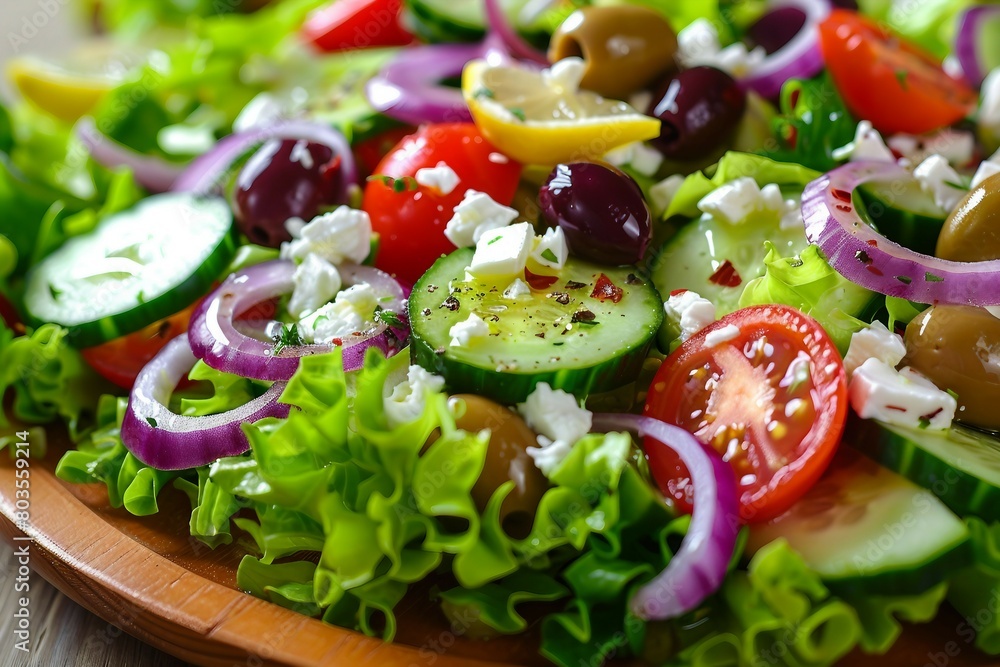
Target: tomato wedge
{"points": [[889, 81], [346, 25], [766, 388]]}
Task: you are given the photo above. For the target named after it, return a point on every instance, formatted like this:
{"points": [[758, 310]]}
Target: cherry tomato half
{"points": [[771, 397], [346, 25], [121, 359], [889, 81], [411, 219], [370, 152]]}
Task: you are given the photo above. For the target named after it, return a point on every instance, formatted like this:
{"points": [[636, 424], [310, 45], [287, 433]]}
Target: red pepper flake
{"points": [[539, 282], [337, 341], [842, 195], [843, 207], [874, 269], [872, 242], [604, 289], [678, 292], [726, 275]]}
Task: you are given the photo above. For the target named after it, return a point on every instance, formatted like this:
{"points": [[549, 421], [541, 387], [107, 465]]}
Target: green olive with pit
{"points": [[958, 348], [972, 231], [506, 459], [625, 47]]}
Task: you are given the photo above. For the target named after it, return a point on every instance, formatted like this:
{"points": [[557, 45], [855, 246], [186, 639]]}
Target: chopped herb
{"points": [[141, 297], [901, 77], [931, 278], [397, 184], [518, 113], [484, 92], [289, 336], [924, 423], [957, 186], [151, 421], [550, 256], [389, 318], [906, 280], [54, 291], [952, 393], [494, 240]]}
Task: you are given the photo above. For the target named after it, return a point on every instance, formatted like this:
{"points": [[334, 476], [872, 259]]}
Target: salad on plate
{"points": [[664, 330]]}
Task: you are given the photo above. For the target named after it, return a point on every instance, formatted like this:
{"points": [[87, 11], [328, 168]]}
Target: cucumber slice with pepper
{"points": [[864, 529], [589, 331], [903, 213], [961, 466], [136, 267]]}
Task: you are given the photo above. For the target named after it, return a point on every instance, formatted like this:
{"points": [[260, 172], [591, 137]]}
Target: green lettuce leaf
{"points": [[809, 283], [974, 590], [930, 23], [732, 166]]}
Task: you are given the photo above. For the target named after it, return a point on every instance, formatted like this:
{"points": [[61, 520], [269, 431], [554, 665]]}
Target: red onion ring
{"points": [[216, 340], [970, 38], [867, 258], [799, 58], [168, 441], [207, 172], [516, 46], [699, 567], [153, 173]]}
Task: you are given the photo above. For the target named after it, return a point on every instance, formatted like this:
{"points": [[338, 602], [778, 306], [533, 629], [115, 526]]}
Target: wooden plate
{"points": [[148, 577]]}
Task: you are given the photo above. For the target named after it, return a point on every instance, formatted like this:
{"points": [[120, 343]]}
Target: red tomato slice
{"points": [[772, 399], [346, 25], [370, 152], [411, 219], [889, 81], [121, 359]]}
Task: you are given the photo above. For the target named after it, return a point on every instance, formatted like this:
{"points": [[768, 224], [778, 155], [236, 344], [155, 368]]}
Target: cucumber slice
{"points": [[961, 466], [136, 267], [459, 20], [533, 338], [700, 248], [864, 529], [903, 213]]}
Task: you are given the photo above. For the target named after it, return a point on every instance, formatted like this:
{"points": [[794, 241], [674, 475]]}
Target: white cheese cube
{"points": [[317, 282], [867, 145], [988, 167], [988, 117], [550, 248], [503, 252], [689, 312], [646, 160], [559, 421], [941, 181], [344, 234], [476, 215], [516, 289], [440, 177], [409, 397], [903, 398], [350, 313], [662, 193], [874, 342], [732, 202], [464, 333]]}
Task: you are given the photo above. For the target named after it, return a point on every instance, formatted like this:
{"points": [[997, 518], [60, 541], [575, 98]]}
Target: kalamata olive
{"points": [[600, 209], [625, 47], [958, 348], [282, 180], [776, 28], [506, 459], [972, 231], [699, 110]]}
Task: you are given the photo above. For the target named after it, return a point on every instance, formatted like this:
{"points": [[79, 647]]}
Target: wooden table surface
{"points": [[67, 634]]}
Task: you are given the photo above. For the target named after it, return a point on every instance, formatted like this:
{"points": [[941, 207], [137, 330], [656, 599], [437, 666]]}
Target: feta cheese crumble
{"points": [[874, 342], [409, 397], [440, 177], [988, 117], [698, 44], [550, 248], [348, 314], [867, 145], [516, 289], [662, 193], [476, 215], [638, 155], [465, 332], [938, 179], [317, 282], [344, 234], [559, 421], [689, 312], [988, 167], [904, 397], [503, 252], [736, 201]]}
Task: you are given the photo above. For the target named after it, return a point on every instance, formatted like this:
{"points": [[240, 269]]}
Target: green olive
{"points": [[626, 47], [972, 231], [958, 348], [506, 459]]}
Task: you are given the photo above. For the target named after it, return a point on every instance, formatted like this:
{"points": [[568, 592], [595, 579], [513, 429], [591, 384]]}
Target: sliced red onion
{"points": [[207, 173], [153, 173], [799, 58], [218, 341], [516, 46], [867, 258], [974, 46], [698, 568], [166, 440]]}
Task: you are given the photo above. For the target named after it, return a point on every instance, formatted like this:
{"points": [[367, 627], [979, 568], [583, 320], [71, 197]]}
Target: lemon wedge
{"points": [[58, 91], [542, 117]]}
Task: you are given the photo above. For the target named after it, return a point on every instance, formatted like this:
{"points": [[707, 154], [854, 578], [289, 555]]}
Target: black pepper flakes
{"points": [[632, 279], [540, 335], [425, 312], [432, 288], [863, 257], [451, 303], [573, 284], [560, 297], [584, 316], [439, 351]]}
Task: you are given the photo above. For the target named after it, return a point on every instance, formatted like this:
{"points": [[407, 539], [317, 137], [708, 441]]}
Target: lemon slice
{"points": [[542, 117], [63, 93]]}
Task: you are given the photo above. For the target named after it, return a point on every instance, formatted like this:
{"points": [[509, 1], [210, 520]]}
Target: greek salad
{"points": [[658, 329]]}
